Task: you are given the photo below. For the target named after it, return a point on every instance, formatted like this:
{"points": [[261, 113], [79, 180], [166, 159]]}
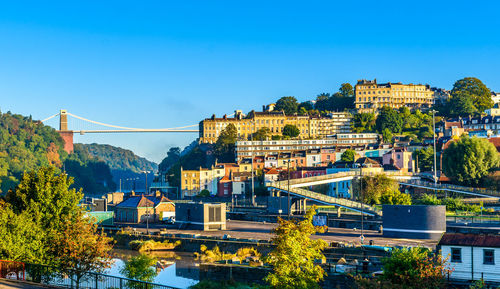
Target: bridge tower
{"points": [[67, 135]]}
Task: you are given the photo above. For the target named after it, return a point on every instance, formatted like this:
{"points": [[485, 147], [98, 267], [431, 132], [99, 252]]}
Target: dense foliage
{"points": [[410, 268], [291, 131], [287, 104], [118, 158], [41, 222], [294, 254], [225, 145], [173, 156], [262, 134], [468, 161], [338, 101], [348, 156], [425, 159], [26, 145], [139, 268], [469, 96], [380, 189]]}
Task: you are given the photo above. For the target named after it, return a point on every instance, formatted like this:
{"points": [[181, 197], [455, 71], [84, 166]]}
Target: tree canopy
{"points": [[44, 224], [468, 161], [173, 156], [287, 104], [294, 254], [225, 145], [348, 156], [469, 96], [262, 133], [390, 119], [291, 131], [425, 157]]}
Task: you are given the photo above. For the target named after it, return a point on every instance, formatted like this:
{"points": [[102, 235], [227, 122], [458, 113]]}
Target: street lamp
{"points": [[434, 136], [147, 207], [288, 190], [362, 237]]}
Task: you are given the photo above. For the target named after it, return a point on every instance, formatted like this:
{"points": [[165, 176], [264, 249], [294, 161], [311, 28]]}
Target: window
{"points": [[456, 255], [488, 257]]}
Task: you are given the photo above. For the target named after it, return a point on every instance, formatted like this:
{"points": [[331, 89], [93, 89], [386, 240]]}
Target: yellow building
{"points": [[194, 181], [370, 96], [275, 121]]}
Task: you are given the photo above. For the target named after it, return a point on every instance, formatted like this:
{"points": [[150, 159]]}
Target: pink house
{"points": [[400, 158]]}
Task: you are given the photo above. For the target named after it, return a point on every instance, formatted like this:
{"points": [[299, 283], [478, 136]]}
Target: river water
{"points": [[181, 270]]}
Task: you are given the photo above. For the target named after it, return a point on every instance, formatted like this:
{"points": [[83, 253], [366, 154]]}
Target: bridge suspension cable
{"points": [[50, 117], [129, 128], [115, 128]]}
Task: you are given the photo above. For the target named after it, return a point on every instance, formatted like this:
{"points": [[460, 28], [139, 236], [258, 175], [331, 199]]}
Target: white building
{"points": [[472, 256]]}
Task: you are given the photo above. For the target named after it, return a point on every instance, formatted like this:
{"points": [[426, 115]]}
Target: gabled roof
{"points": [[142, 202], [475, 240]]}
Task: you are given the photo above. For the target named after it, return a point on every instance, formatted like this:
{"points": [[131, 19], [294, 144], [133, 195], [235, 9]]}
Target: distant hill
{"points": [[124, 165]]}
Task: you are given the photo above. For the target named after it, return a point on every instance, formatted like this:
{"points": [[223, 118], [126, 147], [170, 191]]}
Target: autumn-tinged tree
{"points": [[44, 222], [80, 248], [409, 268], [294, 254]]}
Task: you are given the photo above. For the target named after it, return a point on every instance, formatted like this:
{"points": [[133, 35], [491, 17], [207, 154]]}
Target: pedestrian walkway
{"points": [[4, 283]]}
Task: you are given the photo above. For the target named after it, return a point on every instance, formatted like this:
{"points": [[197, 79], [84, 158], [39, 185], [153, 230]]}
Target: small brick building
{"points": [[138, 209]]}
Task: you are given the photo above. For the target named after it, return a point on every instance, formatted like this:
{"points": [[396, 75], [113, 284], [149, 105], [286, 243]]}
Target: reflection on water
{"points": [[176, 269]]}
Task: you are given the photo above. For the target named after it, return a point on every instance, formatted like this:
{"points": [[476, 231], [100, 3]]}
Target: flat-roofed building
{"points": [[372, 96]]}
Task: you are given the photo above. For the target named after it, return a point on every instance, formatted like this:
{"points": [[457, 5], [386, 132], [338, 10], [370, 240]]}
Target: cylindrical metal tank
{"points": [[414, 222]]}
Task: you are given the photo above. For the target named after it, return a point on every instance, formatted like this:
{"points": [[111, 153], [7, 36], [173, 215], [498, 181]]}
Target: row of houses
{"points": [[233, 179]]}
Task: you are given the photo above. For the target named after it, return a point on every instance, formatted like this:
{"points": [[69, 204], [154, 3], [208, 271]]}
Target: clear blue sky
{"points": [[159, 64]]}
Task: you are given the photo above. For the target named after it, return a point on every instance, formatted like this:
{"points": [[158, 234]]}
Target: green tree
{"points": [[140, 268], [262, 134], [387, 135], [294, 254], [364, 122], [291, 131], [395, 198], [425, 157], [288, 104], [374, 187], [390, 119], [60, 234], [173, 156], [346, 90], [322, 101], [307, 105], [225, 145], [415, 268], [348, 156], [468, 161], [469, 95]]}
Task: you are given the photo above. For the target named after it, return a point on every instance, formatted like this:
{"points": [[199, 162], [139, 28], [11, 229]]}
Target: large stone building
{"points": [[309, 127], [371, 96]]}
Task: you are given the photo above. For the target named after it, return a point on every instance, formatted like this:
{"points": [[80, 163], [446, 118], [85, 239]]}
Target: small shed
{"points": [[472, 256], [139, 209], [201, 216]]}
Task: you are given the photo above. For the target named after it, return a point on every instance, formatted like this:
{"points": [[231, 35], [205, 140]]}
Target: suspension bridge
{"points": [[81, 125]]}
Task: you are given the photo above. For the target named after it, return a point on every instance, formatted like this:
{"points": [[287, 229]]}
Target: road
{"points": [[262, 231]]}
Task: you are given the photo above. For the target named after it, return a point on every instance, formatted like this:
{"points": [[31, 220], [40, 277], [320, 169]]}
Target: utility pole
{"points": [[288, 190], [434, 135], [147, 205], [251, 155], [362, 237]]}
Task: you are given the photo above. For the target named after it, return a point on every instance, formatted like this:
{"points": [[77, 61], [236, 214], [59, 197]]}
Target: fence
{"points": [[453, 188], [53, 276]]}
